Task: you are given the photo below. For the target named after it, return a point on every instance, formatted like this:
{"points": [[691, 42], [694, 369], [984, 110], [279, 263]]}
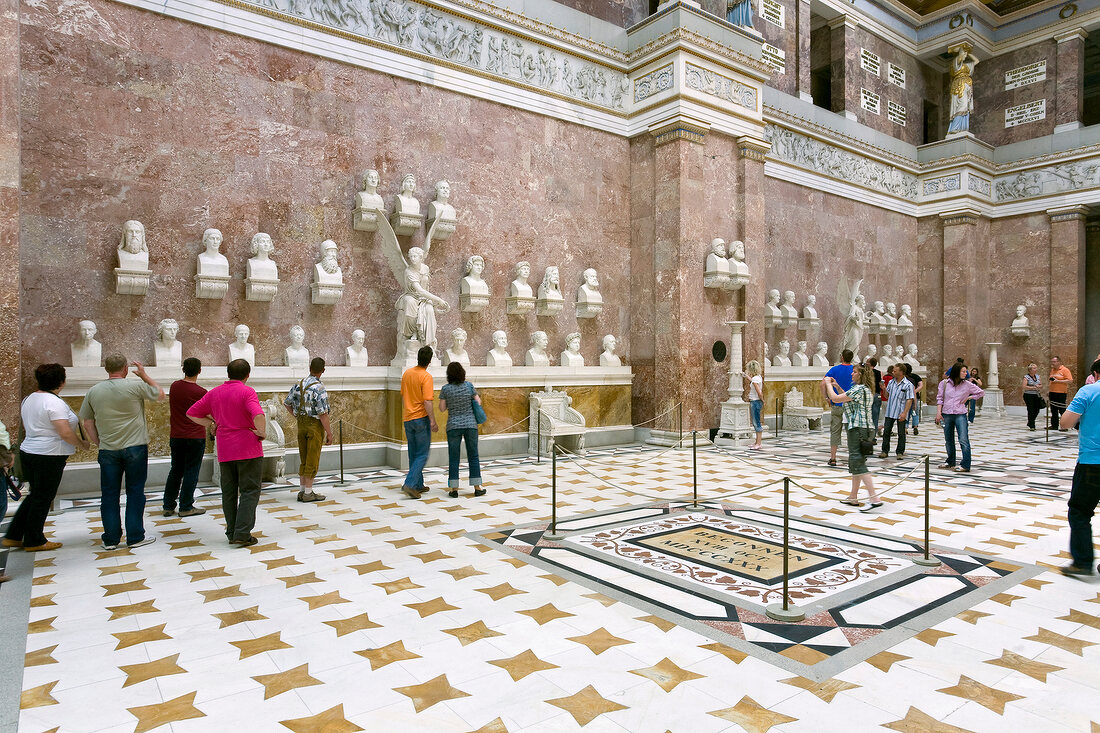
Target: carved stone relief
{"points": [[717, 85]]}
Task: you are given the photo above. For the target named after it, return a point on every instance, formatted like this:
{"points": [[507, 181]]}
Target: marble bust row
{"points": [[406, 217], [891, 355], [784, 314], [884, 319], [726, 272], [168, 350], [522, 298]]}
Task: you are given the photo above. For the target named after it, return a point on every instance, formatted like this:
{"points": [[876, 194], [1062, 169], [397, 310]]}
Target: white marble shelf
{"points": [[347, 379], [806, 374]]}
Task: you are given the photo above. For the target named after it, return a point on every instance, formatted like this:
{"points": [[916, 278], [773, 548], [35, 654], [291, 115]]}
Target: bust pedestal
{"points": [[404, 223], [261, 290], [327, 292], [132, 282], [550, 305], [211, 287], [473, 295], [735, 423], [520, 305]]}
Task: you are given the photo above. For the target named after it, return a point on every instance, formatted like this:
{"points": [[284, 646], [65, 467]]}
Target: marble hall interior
{"points": [[608, 211]]}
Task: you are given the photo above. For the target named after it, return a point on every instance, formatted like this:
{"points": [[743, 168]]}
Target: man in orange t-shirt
{"points": [[1060, 380], [418, 416]]}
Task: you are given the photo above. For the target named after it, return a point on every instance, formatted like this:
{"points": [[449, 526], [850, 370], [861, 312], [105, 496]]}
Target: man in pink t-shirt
{"points": [[234, 411]]}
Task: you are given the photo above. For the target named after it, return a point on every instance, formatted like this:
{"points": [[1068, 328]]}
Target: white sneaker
{"points": [[147, 541]]}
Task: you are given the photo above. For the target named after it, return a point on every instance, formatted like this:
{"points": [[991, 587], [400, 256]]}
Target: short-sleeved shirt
{"points": [[858, 409], [118, 408], [39, 411], [315, 401], [1062, 373], [460, 405], [181, 395], [898, 392], [234, 406], [1086, 403], [416, 387], [842, 375], [756, 389]]}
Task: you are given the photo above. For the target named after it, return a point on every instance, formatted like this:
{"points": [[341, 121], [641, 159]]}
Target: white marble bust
{"points": [[498, 355], [876, 318], [800, 358], [809, 311], [212, 269], [911, 356], [356, 354], [717, 274], [457, 352], [772, 315], [886, 360], [787, 310], [899, 353], [783, 358], [521, 296], [821, 358], [86, 351], [296, 355], [739, 271], [473, 290], [572, 357], [1021, 326], [589, 299], [891, 318], [406, 217], [872, 352], [368, 203], [536, 355], [239, 348], [261, 272], [905, 320], [328, 277], [608, 358], [133, 273], [441, 213], [550, 300], [133, 252], [167, 351]]}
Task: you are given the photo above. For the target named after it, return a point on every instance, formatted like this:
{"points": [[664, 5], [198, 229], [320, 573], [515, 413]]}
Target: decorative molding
{"points": [[717, 85], [979, 185], [1068, 213], [1062, 178], [805, 125], [714, 48], [655, 82], [680, 130], [805, 152], [943, 184], [752, 148], [960, 217]]}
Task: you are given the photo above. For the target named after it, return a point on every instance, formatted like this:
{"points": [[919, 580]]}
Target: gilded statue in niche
{"points": [[962, 88]]}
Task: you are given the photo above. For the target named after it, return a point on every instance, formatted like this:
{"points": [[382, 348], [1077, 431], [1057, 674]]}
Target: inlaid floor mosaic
{"points": [[716, 569], [371, 611]]}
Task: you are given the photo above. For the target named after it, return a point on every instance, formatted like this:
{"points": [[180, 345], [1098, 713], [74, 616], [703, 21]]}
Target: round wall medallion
{"points": [[718, 351], [1068, 11]]}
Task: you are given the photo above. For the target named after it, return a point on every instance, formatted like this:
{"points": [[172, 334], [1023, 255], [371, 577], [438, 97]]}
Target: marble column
{"points": [[1092, 292], [9, 214], [845, 66], [1069, 83], [965, 316], [1067, 287], [735, 422], [994, 397], [679, 345], [802, 33]]}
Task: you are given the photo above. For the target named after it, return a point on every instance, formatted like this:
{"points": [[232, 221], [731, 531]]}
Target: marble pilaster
{"points": [[1069, 81], [1092, 294], [1067, 296], [965, 235], [754, 232], [845, 65], [802, 31], [10, 342]]}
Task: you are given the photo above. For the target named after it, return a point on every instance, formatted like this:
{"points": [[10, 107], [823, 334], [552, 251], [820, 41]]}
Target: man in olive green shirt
{"points": [[113, 415]]}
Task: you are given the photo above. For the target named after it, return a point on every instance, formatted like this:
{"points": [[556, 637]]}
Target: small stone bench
{"points": [[796, 416]]}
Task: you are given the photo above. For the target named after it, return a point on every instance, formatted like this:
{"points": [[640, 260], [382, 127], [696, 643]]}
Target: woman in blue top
{"points": [[457, 400]]}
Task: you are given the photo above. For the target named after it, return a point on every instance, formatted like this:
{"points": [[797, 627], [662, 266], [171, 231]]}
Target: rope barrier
{"points": [[658, 417]]}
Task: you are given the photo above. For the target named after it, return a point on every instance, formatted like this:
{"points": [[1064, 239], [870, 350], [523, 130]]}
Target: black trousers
{"points": [[43, 475], [1033, 402], [1057, 407]]}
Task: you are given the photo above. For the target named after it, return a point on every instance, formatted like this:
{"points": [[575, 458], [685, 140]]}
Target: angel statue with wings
{"points": [[851, 304], [416, 307]]}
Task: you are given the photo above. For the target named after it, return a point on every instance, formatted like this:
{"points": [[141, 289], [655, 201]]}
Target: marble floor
{"points": [[371, 611]]}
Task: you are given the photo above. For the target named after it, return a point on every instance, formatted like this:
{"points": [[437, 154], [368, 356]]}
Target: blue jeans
{"points": [[957, 424], [756, 407], [113, 464], [971, 410], [454, 453], [1082, 503], [418, 435], [183, 476], [914, 414], [876, 410]]}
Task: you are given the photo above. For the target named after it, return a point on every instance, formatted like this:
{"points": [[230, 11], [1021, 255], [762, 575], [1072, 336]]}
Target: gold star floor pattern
{"points": [[371, 611]]}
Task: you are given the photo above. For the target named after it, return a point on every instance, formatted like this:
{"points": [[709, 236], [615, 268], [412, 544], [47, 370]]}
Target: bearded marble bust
{"points": [[328, 278], [133, 253]]}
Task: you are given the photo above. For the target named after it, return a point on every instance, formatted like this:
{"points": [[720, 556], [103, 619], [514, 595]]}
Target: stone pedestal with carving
{"points": [[132, 282], [260, 290], [326, 293], [520, 305], [994, 396], [735, 422], [211, 287]]}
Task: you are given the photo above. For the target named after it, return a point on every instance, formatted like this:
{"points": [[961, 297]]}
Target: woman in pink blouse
{"points": [[951, 408]]}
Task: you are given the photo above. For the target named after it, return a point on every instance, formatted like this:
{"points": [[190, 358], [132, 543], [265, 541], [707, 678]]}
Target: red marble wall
{"points": [[624, 13], [9, 213], [991, 99], [186, 128]]}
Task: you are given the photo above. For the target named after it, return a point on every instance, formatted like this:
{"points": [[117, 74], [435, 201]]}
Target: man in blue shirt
{"points": [[842, 375], [1084, 412]]}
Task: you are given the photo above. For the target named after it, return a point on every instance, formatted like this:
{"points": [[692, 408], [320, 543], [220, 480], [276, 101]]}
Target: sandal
{"points": [[872, 505], [832, 461], [453, 493], [850, 503]]}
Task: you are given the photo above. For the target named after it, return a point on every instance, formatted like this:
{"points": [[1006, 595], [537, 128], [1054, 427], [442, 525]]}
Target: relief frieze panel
{"points": [[655, 82], [1062, 178], [717, 85], [418, 28]]}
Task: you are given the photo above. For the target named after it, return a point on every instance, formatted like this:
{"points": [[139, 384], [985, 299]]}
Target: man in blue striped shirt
{"points": [[899, 401]]}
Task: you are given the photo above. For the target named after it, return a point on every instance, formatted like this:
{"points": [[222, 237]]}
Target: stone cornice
{"points": [[960, 217], [1068, 213], [752, 148], [681, 35]]}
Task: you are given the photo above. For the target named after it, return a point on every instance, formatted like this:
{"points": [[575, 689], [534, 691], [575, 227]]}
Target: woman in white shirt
{"points": [[51, 428], [756, 400]]}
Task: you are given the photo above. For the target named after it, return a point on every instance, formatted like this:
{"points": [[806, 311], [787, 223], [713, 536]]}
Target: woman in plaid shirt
{"points": [[857, 411]]}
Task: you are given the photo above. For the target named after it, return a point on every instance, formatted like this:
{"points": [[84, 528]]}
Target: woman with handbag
{"points": [[1033, 394], [861, 431], [461, 402]]}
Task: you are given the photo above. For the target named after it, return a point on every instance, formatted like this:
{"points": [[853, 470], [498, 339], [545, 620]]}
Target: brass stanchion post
{"points": [[776, 418], [340, 429], [784, 611], [927, 560], [538, 439], [694, 472], [553, 534]]}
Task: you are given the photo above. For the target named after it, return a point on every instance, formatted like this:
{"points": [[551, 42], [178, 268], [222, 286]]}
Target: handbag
{"points": [[866, 447], [479, 411]]}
